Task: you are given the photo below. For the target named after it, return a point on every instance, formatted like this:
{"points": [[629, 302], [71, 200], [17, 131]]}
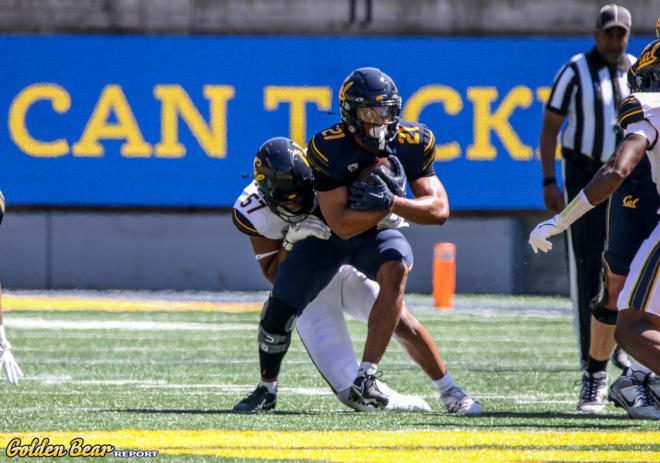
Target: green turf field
{"points": [[139, 371]]}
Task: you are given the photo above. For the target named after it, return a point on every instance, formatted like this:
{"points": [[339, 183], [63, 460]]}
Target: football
{"points": [[365, 173]]}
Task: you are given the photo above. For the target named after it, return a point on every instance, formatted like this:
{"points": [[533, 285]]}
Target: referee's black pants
{"points": [[586, 242]]}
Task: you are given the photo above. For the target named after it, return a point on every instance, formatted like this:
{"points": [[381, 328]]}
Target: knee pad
{"points": [[277, 322]]}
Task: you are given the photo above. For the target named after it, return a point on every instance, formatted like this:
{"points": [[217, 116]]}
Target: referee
{"points": [[586, 93]]}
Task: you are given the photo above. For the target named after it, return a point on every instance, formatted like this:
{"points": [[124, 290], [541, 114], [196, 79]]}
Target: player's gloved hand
{"points": [[311, 226], [9, 365], [538, 238], [365, 197], [396, 180]]}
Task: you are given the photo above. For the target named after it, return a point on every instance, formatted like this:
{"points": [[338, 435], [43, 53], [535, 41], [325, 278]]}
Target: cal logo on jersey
{"points": [[630, 202]]}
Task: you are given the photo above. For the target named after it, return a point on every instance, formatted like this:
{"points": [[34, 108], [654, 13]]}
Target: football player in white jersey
{"points": [[638, 323], [277, 210], [7, 361]]}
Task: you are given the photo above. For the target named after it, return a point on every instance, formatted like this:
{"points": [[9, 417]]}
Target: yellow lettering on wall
{"points": [[297, 97], [498, 121], [112, 99], [453, 104], [60, 102], [175, 102], [543, 95]]}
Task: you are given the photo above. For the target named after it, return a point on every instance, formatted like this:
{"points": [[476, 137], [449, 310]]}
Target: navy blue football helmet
{"points": [[284, 179], [644, 74], [370, 106]]}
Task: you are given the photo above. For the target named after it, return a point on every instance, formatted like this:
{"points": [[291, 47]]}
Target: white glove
{"points": [[9, 365], [538, 238], [311, 226]]}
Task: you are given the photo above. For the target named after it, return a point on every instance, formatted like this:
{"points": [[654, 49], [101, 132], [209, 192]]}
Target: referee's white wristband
{"points": [[575, 209]]}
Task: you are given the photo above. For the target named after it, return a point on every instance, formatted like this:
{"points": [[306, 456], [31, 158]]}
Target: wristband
{"points": [[549, 181]]}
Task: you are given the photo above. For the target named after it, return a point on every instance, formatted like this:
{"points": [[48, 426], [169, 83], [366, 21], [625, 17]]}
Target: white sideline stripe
{"points": [[132, 325]]}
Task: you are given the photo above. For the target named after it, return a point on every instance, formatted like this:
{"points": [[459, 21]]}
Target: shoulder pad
{"points": [[630, 111], [243, 224], [262, 221], [322, 146]]}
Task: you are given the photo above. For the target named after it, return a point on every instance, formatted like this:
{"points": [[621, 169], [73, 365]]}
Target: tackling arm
{"points": [[270, 254], [430, 205], [343, 220]]}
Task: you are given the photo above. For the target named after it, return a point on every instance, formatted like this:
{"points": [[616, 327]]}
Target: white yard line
{"points": [[131, 325]]}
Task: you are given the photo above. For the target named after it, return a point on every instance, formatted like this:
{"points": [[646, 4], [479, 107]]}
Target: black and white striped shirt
{"points": [[583, 91]]}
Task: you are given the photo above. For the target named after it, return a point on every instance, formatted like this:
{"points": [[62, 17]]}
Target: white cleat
{"points": [[403, 402], [633, 394], [593, 392], [397, 402], [460, 403]]}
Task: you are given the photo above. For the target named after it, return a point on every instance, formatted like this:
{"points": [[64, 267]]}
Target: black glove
{"points": [[396, 181], [365, 197]]}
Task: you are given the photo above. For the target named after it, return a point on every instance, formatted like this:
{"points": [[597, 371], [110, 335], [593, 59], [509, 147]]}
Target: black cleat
{"points": [[620, 359], [365, 391], [259, 399]]}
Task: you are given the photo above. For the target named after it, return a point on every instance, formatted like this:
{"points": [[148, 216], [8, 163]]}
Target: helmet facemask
{"points": [[290, 199], [370, 105]]}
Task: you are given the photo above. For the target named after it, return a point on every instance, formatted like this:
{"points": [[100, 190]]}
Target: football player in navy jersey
{"points": [[638, 321], [277, 211], [370, 105], [7, 361]]}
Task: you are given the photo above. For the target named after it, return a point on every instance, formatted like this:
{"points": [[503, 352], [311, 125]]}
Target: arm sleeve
{"points": [[645, 129], [243, 224], [562, 89]]}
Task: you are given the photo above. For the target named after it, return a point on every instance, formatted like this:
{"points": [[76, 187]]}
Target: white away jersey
{"points": [[640, 113], [252, 216]]}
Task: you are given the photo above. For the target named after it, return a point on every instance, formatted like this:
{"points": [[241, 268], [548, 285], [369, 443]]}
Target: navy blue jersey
{"points": [[336, 158]]}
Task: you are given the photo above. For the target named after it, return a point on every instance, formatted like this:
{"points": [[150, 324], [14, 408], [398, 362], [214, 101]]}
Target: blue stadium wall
{"points": [[174, 122]]}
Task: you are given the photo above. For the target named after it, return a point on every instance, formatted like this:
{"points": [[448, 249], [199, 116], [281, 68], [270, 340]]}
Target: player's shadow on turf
{"points": [[220, 411]]}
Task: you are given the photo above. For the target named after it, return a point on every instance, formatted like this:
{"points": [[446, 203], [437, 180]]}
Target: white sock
{"points": [[367, 368], [636, 366], [444, 384], [271, 386]]}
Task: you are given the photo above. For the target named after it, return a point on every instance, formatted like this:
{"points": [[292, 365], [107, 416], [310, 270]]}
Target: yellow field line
{"points": [[372, 446], [57, 303]]}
